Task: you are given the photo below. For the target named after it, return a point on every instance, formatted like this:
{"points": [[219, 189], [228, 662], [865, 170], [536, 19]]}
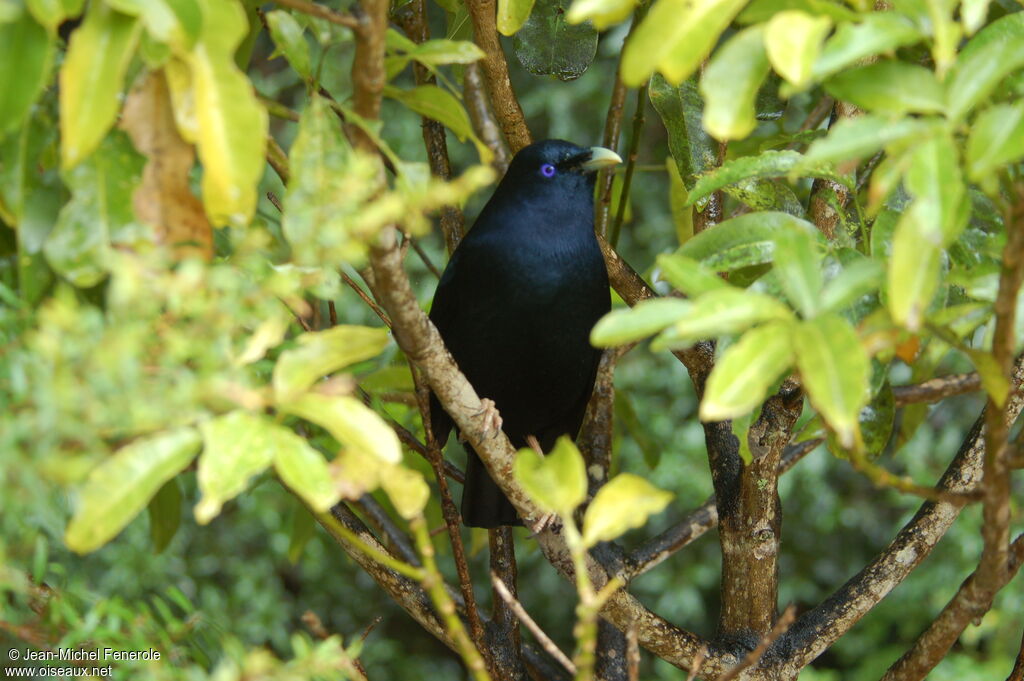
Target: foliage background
{"points": [[234, 580]]}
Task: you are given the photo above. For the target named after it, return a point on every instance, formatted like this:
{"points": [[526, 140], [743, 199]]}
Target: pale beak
{"points": [[600, 158]]}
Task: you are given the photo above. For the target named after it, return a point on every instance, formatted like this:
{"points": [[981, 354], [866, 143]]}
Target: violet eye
{"points": [[547, 170]]}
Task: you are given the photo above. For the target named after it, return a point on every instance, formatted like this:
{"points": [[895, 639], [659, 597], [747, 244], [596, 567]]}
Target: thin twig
{"points": [[278, 161], [754, 655], [275, 202], [936, 389], [425, 258], [366, 298], [634, 146], [1018, 666], [545, 641], [321, 12]]}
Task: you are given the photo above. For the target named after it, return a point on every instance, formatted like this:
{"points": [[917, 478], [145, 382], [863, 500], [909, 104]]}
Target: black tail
{"points": [[483, 502]]}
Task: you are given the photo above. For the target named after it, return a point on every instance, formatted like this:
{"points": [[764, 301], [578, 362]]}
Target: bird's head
{"points": [[557, 166]]}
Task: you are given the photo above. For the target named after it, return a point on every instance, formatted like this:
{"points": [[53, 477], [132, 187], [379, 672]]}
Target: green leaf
{"points": [[512, 14], [328, 184], [834, 369], [557, 483], [852, 139], [100, 211], [764, 165], [604, 13], [121, 486], [682, 109], [761, 11], [165, 515], [678, 199], [675, 37], [993, 380], [624, 503], [290, 40], [725, 311], [985, 61], [91, 79], [303, 529], [798, 265], [877, 33], [441, 52], [26, 55], [688, 275], [320, 353], [741, 241], [743, 374], [548, 44], [232, 124], [175, 22], [627, 325], [304, 470], [236, 446], [350, 422], [408, 491], [934, 178], [996, 139], [857, 279], [890, 86], [973, 14], [876, 421], [442, 106], [51, 13], [792, 40], [914, 268], [730, 84]]}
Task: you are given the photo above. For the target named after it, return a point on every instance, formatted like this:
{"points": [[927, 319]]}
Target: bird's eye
{"points": [[547, 170]]}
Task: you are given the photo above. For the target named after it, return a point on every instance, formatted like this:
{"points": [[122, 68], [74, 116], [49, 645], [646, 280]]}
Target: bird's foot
{"points": [[492, 419], [548, 521]]}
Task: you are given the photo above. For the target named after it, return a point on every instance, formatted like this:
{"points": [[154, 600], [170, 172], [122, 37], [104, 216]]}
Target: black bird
{"points": [[516, 304]]}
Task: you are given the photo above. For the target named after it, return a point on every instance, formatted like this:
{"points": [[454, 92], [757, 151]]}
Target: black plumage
{"points": [[516, 304]]}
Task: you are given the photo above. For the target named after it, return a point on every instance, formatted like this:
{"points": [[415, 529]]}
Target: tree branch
{"points": [[936, 389], [821, 211], [413, 18], [478, 105], [545, 641], [368, 73], [320, 12], [972, 600], [819, 628], [495, 68]]}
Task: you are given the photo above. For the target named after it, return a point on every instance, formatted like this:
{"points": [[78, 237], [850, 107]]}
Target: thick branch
{"points": [[971, 601], [750, 525], [495, 68], [368, 74]]}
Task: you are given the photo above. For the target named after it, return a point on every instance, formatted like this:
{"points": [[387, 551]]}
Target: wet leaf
{"points": [[724, 311], [834, 369], [548, 44], [764, 165], [681, 109], [741, 241], [990, 56], [798, 265]]}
